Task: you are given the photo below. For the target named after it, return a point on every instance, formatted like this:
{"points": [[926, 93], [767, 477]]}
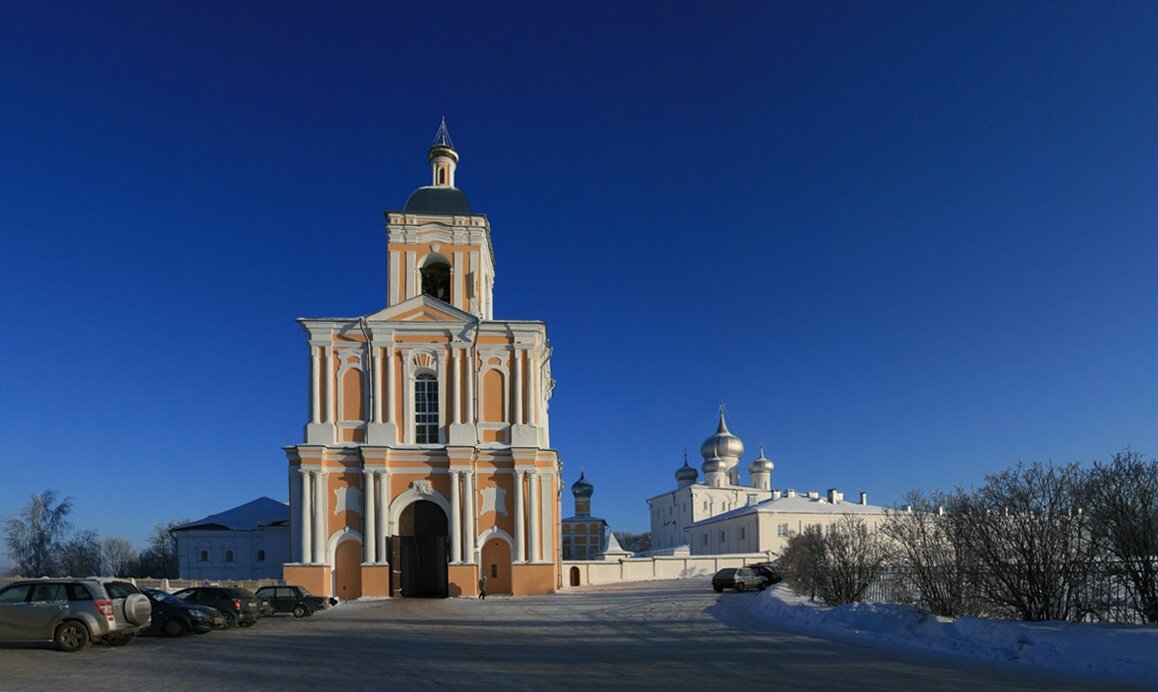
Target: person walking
{"points": [[482, 587]]}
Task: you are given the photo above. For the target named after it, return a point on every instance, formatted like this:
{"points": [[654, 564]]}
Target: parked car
{"points": [[173, 617], [72, 612], [292, 599], [237, 606], [770, 571], [738, 578]]}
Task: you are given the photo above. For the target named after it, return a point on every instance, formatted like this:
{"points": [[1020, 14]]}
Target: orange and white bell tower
{"points": [[427, 461]]}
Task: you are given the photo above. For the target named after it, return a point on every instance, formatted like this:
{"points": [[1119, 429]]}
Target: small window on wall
{"points": [[229, 556], [261, 556], [426, 409], [742, 533], [494, 571], [705, 541], [723, 536], [204, 556], [782, 529]]}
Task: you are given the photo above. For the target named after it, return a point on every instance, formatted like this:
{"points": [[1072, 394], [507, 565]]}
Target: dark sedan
{"points": [[292, 599], [173, 617], [738, 578], [237, 606]]}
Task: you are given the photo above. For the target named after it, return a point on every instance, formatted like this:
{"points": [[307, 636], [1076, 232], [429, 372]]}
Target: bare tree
{"points": [[32, 535], [159, 557], [836, 564], [1030, 538], [117, 557], [1123, 497], [924, 546], [79, 555]]}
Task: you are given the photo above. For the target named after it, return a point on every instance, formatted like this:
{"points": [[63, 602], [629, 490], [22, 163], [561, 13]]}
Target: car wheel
{"points": [[230, 620], [763, 585], [300, 611], [71, 636], [173, 628], [119, 640], [719, 589], [739, 586]]}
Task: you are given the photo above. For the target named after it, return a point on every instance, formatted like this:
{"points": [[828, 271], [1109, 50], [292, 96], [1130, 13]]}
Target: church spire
{"points": [[443, 158]]}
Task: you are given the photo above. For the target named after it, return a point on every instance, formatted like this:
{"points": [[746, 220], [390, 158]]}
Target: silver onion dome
{"points": [[686, 473], [581, 487], [723, 444], [761, 464]]}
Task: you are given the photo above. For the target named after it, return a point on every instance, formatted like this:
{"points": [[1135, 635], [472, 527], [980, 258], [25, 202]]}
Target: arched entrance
{"points": [[496, 564], [422, 540], [574, 576]]}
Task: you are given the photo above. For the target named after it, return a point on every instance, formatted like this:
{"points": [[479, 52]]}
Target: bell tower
{"points": [[437, 246]]}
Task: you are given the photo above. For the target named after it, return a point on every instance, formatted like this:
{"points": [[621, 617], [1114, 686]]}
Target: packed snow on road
{"points": [[1119, 652]]}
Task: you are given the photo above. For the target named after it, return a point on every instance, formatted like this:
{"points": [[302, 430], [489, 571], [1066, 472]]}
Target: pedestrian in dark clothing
{"points": [[482, 587]]}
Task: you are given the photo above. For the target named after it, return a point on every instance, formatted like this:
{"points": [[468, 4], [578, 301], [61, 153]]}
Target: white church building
{"points": [[722, 516]]}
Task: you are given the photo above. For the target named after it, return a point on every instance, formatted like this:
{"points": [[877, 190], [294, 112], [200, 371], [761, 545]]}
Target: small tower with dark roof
{"points": [[686, 475], [582, 490]]}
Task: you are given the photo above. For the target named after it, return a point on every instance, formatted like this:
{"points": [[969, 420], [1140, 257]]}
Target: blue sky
{"points": [[905, 244]]}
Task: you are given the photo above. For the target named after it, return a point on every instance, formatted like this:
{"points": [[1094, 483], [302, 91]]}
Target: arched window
{"points": [[426, 409], [229, 556], [436, 279], [204, 556]]}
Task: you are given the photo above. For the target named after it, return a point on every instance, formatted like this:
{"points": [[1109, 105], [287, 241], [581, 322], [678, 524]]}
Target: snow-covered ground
{"points": [[1127, 653]]}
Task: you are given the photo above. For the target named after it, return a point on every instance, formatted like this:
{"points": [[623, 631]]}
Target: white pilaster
{"points": [[520, 513], [315, 390], [533, 482], [370, 512], [306, 506], [331, 405], [469, 519], [455, 519], [320, 510], [548, 507], [469, 376], [376, 373], [384, 527], [518, 382]]}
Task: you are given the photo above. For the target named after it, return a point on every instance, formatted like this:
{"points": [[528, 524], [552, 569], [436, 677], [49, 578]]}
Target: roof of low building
{"points": [[252, 515], [799, 504]]}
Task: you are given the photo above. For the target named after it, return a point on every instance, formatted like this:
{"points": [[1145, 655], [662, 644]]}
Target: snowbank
{"points": [[1122, 652]]}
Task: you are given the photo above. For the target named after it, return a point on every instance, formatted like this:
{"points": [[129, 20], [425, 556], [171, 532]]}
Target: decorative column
{"points": [[305, 507], [321, 509], [455, 386], [468, 527], [390, 403], [385, 529], [533, 386], [376, 370], [455, 520], [315, 388], [520, 511], [533, 481], [518, 382], [370, 513], [548, 508], [469, 376], [331, 408]]}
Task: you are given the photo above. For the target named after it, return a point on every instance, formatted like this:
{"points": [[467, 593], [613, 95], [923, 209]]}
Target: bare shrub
{"points": [[1123, 503], [924, 546], [836, 564], [1030, 539]]}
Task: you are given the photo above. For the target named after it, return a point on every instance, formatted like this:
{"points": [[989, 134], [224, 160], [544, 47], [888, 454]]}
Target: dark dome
{"points": [[686, 473], [437, 200], [582, 488]]}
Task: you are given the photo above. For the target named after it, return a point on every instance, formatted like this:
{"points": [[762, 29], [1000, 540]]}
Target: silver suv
{"points": [[72, 612]]}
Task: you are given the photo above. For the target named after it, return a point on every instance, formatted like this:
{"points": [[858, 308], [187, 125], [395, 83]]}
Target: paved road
{"points": [[671, 635]]}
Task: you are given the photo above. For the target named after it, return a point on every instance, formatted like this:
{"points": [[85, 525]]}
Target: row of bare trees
{"points": [[41, 541], [1036, 542]]}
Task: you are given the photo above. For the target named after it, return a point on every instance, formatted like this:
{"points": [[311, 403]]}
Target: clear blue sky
{"points": [[905, 244]]}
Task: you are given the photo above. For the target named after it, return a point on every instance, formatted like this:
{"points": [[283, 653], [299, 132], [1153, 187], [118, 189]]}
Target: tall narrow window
{"points": [[436, 280], [426, 409]]}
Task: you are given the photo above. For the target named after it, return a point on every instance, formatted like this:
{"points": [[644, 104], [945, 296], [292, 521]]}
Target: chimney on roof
{"points": [[790, 493], [775, 494], [863, 497], [813, 495], [834, 497]]}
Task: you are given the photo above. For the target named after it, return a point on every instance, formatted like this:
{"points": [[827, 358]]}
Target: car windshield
{"points": [[164, 597]]}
